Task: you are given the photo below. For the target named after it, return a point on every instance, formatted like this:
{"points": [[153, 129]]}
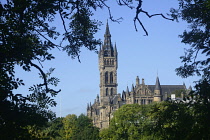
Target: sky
{"points": [[138, 55]]}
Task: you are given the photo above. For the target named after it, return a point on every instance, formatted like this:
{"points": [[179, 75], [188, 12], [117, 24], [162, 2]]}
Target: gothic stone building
{"points": [[101, 111]]}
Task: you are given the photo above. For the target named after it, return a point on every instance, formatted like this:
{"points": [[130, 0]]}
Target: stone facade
{"points": [[101, 111]]}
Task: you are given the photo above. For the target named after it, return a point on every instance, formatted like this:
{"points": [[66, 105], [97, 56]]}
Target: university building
{"points": [[101, 111]]}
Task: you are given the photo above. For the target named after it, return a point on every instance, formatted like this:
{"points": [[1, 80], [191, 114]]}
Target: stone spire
{"points": [[157, 91], [107, 46], [107, 36], [107, 33], [157, 85]]}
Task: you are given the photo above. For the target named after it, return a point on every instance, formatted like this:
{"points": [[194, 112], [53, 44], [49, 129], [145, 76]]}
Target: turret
{"points": [[132, 94], [88, 107], [123, 96], [137, 80], [157, 91], [89, 110], [143, 81]]}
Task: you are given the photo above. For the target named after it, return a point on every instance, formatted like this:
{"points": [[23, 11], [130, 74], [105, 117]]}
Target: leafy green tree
{"points": [[131, 122], [200, 104], [70, 128], [26, 38], [197, 14], [55, 129], [27, 35], [85, 129], [179, 93], [172, 120], [106, 134], [197, 61]]}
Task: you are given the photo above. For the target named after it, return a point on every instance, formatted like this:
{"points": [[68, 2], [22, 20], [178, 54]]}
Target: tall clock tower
{"points": [[108, 69]]}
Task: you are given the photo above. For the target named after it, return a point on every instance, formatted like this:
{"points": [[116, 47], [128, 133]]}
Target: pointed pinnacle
{"points": [[132, 90], [107, 33], [127, 90], [157, 85]]}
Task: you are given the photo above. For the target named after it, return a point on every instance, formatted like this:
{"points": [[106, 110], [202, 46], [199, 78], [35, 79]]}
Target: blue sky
{"points": [[138, 55]]}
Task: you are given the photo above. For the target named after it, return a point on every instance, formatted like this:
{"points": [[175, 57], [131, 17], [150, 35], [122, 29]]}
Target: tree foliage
{"points": [[71, 127], [131, 122], [197, 61], [179, 93], [164, 120], [26, 38], [27, 34], [197, 14], [172, 120]]}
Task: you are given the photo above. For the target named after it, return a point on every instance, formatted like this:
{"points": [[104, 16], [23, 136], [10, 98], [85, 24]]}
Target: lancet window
{"points": [[111, 77], [106, 77], [107, 91], [111, 92]]}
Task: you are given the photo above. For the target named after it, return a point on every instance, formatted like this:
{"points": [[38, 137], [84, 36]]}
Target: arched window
{"points": [[107, 91], [111, 77], [111, 91], [107, 61], [106, 77]]}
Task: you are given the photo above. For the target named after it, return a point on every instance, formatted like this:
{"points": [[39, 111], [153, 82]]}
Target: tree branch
{"points": [[110, 14], [124, 3], [48, 39], [64, 26], [44, 78], [139, 10], [156, 15]]}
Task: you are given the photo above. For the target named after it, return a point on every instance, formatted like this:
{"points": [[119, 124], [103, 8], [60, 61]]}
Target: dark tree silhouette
{"points": [[27, 35]]}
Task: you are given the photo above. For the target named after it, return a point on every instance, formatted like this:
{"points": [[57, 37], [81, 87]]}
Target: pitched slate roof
{"points": [[167, 88]]}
